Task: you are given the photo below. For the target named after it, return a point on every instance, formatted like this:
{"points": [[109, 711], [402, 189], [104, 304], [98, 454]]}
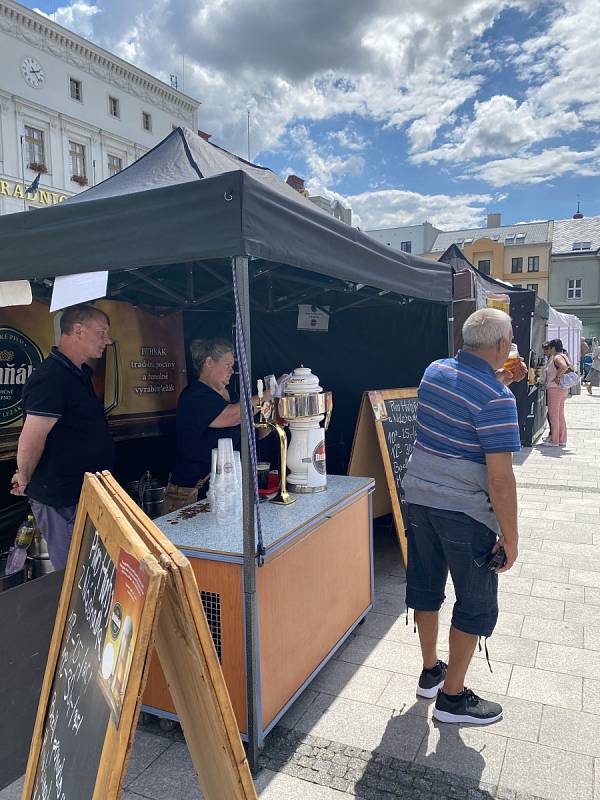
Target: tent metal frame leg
{"points": [[254, 715]]}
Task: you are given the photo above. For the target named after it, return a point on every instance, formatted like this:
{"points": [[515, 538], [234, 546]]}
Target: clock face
{"points": [[32, 72]]}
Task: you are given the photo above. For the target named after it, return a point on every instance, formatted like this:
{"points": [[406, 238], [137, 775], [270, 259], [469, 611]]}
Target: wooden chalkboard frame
{"points": [[115, 533], [188, 658], [370, 458]]}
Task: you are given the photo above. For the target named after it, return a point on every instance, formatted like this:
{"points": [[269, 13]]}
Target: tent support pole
{"points": [[450, 323], [250, 600]]}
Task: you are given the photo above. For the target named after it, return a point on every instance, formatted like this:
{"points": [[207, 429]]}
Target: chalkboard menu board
{"points": [[90, 695], [78, 714], [399, 431], [383, 442]]}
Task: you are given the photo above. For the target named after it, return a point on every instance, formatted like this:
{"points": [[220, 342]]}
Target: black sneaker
{"points": [[431, 680], [466, 707]]}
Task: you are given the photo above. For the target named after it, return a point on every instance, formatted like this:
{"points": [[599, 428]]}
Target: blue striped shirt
{"points": [[464, 411]]}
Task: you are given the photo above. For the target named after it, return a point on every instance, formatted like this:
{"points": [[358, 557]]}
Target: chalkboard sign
{"points": [[383, 441], [95, 670], [399, 432]]}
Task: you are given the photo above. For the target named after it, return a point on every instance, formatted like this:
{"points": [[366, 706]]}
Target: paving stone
{"points": [[364, 726], [147, 747], [549, 515], [531, 606], [549, 688], [400, 694], [13, 791], [570, 660], [385, 655], [507, 582], [548, 573], [547, 772], [529, 555], [584, 577], [576, 731], [591, 696], [344, 679], [170, 775], [592, 595], [510, 649], [591, 637], [582, 612], [459, 749], [293, 714], [551, 630], [557, 591]]}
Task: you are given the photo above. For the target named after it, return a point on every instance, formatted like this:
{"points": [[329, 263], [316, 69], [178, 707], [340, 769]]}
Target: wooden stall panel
{"points": [[224, 580], [309, 596]]}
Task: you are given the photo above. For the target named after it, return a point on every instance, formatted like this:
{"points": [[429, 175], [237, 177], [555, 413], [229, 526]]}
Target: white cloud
{"points": [[324, 166], [386, 60], [547, 165], [348, 139], [499, 126], [391, 208]]}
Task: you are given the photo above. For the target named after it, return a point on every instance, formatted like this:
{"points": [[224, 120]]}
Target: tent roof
{"points": [[188, 200]]}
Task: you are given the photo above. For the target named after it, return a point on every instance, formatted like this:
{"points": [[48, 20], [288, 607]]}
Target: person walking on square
{"points": [[65, 433], [462, 506], [558, 364], [593, 376]]}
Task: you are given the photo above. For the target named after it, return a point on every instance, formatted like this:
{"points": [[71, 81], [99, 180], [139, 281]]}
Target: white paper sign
{"points": [[69, 290], [15, 293], [312, 318]]}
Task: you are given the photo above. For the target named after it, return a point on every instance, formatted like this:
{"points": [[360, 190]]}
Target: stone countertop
{"points": [[190, 528]]}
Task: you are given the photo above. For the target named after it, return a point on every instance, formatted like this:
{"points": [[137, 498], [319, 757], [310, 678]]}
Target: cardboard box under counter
{"points": [[314, 588]]}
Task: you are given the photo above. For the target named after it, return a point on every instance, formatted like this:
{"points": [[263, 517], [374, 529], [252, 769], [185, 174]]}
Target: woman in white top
{"points": [[558, 363], [593, 375]]}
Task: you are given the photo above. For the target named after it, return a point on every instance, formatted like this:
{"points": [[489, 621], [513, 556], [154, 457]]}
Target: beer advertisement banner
{"points": [[139, 379]]}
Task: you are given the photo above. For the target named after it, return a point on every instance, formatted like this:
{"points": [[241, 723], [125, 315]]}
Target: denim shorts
{"points": [[440, 541]]}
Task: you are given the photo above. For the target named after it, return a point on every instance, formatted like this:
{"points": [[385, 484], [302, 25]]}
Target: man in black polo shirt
{"points": [[65, 432]]}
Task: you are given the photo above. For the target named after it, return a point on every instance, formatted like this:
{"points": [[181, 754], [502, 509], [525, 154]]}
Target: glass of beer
{"points": [[513, 362]]}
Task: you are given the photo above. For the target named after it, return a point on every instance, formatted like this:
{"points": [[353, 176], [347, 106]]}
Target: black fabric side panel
{"points": [[196, 220], [27, 614], [386, 347]]}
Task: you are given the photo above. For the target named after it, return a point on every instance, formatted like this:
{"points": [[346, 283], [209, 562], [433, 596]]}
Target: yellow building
{"points": [[519, 254]]}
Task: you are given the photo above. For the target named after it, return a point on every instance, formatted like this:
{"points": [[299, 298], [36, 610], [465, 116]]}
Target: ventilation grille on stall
{"points": [[212, 608]]}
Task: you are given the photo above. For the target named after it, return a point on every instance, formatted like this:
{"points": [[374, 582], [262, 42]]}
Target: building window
{"points": [[484, 266], [533, 264], [113, 106], [78, 170], [34, 149], [582, 245], [406, 247], [533, 286], [75, 89], [115, 164], [574, 286], [517, 265], [146, 121]]}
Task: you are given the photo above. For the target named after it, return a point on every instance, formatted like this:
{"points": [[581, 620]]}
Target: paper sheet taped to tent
{"points": [[383, 442]]}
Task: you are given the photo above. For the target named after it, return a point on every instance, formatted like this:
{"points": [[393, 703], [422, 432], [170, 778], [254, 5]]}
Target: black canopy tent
{"points": [[172, 228], [529, 314]]}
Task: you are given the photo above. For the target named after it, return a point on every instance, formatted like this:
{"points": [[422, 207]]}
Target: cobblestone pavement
{"points": [[359, 729]]}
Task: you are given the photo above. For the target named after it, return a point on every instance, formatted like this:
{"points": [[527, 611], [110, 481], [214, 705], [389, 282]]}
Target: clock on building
{"points": [[32, 72]]}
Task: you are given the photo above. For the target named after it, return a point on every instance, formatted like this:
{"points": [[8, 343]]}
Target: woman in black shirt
{"points": [[206, 412]]}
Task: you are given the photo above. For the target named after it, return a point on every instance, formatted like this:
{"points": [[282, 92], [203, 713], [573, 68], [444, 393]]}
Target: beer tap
{"points": [[266, 421]]}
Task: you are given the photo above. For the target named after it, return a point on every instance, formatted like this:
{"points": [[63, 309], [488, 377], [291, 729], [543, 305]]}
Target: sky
{"points": [[440, 110]]}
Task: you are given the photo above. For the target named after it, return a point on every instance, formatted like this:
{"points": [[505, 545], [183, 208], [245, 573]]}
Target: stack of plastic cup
{"points": [[210, 495], [226, 485]]}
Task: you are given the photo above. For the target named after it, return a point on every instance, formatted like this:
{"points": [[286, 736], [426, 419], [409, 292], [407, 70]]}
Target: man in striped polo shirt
{"points": [[462, 506]]}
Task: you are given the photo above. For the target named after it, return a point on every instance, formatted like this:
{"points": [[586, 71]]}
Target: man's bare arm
{"points": [[503, 495], [30, 448]]}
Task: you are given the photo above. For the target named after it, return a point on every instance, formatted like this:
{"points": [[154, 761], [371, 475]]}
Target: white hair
{"points": [[485, 328]]}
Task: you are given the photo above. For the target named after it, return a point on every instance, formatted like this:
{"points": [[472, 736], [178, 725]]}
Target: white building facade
{"points": [[72, 111]]}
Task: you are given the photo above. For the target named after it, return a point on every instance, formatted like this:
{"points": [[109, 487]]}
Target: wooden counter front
{"points": [[314, 587]]}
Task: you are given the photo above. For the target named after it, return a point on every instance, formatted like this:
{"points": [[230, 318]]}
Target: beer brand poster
{"points": [[127, 605], [139, 379], [378, 405]]}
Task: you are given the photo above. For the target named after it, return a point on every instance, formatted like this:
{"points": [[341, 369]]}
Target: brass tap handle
{"points": [[282, 497]]}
